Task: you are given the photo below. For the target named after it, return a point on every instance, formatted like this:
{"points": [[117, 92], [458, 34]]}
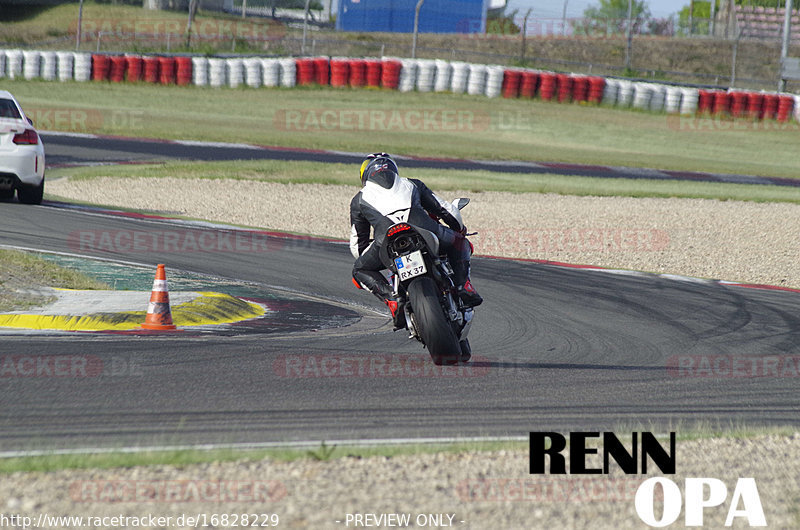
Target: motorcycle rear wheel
{"points": [[434, 328]]}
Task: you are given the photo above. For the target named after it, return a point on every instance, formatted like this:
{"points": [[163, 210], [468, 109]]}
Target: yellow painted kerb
{"points": [[207, 309]]}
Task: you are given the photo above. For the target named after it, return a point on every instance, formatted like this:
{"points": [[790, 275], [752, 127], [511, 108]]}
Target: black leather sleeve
{"points": [[359, 223]]}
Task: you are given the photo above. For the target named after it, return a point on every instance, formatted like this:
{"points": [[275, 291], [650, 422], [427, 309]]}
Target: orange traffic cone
{"points": [[158, 313]]}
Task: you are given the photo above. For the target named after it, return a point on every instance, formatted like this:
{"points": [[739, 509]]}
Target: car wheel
{"points": [[31, 194], [6, 194]]}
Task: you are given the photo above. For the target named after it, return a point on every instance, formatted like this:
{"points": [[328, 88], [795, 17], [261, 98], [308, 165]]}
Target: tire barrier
{"points": [[101, 64], [49, 66], [625, 93], [235, 70], [305, 72], [340, 72], [374, 72], [722, 102], [785, 107], [408, 75], [705, 101], [66, 66], [511, 82], [528, 84], [403, 74], [426, 75], [135, 68], [151, 69], [31, 61], [288, 72], [166, 70], [738, 105], [770, 108], [13, 64], [672, 101], [183, 71], [252, 72], [322, 71], [117, 68], [755, 100], [580, 89], [390, 73], [444, 75], [216, 72], [689, 99], [611, 92], [494, 81], [358, 73], [200, 71], [271, 72], [642, 93], [459, 77], [658, 97], [597, 87], [565, 82], [547, 88], [476, 83]]}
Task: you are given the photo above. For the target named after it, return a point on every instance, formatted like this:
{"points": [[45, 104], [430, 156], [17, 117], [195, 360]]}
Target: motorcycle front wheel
{"points": [[434, 328]]}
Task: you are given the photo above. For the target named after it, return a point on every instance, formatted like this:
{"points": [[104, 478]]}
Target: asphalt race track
{"points": [[554, 348]]}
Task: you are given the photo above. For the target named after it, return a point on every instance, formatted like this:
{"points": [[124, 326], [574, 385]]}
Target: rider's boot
{"points": [[376, 283], [466, 291]]}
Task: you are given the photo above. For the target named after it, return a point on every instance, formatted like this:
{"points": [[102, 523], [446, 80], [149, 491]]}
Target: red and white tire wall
{"points": [[403, 74]]}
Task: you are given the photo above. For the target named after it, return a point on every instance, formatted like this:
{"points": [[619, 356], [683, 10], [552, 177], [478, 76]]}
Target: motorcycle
{"points": [[422, 279]]}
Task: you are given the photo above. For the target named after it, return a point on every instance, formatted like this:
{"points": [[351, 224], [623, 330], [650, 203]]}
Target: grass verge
{"points": [[182, 458], [444, 180], [426, 124], [21, 273]]}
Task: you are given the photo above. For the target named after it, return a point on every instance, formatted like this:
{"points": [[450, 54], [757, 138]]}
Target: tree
{"points": [[700, 16], [611, 16]]}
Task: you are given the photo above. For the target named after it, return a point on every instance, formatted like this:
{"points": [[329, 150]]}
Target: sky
{"points": [[554, 8]]}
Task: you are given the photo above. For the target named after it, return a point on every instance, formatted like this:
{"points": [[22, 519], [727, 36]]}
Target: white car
{"points": [[21, 154]]}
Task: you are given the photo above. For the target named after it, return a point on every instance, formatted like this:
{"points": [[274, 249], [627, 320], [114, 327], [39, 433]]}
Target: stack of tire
{"points": [[135, 68], [271, 72], [200, 71], [66, 66], [340, 72]]}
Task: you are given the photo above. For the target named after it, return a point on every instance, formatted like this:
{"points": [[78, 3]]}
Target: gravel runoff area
{"points": [[479, 490], [730, 240]]}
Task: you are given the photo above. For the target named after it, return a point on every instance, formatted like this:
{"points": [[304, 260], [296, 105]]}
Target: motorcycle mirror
{"points": [[460, 203]]}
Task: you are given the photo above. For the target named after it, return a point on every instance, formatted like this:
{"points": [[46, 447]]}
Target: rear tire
{"points": [[31, 194], [466, 350], [434, 328]]}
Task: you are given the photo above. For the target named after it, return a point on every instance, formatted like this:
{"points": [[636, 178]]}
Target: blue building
{"points": [[397, 16]]}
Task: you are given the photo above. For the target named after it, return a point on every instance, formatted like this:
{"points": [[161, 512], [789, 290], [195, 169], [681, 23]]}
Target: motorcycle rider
{"points": [[386, 199]]}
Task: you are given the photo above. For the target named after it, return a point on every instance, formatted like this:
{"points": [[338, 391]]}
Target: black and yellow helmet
{"points": [[375, 163]]}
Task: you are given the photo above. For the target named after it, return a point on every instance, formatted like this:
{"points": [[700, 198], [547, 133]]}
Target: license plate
{"points": [[410, 265]]}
